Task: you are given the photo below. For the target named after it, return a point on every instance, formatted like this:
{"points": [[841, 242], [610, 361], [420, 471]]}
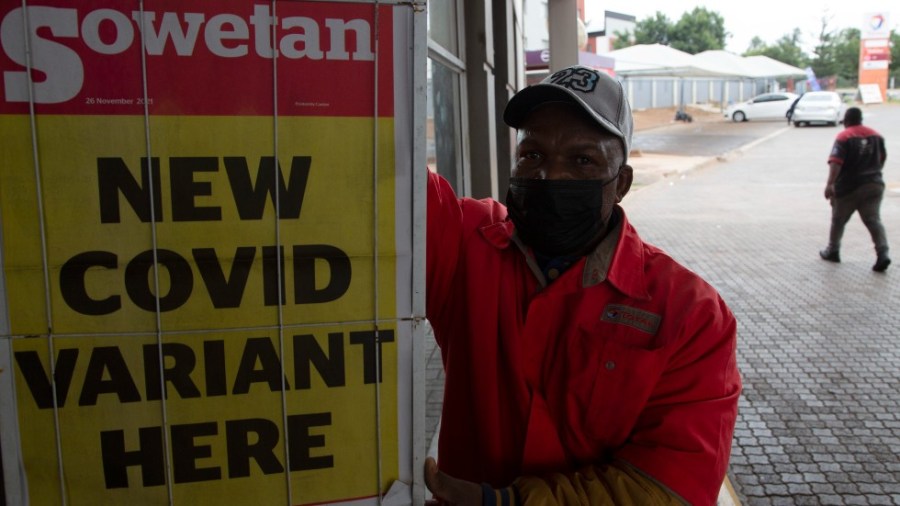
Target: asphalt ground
{"points": [[819, 343]]}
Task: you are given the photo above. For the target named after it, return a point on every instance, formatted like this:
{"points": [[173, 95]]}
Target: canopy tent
{"points": [[728, 62], [660, 60], [771, 67], [674, 73]]}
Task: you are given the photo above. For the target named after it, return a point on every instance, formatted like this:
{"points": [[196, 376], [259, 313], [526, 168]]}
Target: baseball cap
{"points": [[600, 95]]}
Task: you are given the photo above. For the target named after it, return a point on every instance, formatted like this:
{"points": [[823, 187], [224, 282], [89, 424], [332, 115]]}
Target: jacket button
{"points": [[610, 365]]}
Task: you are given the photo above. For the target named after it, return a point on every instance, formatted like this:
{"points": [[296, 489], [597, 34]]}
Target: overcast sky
{"points": [[768, 19]]}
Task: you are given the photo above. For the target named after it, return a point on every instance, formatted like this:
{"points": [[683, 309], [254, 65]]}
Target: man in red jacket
{"points": [[583, 365], [855, 184]]}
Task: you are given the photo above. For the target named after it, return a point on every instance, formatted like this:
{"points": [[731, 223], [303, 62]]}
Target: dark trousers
{"points": [[866, 200]]}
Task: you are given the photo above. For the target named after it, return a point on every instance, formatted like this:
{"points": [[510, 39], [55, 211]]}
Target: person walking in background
{"points": [[855, 183], [790, 112]]}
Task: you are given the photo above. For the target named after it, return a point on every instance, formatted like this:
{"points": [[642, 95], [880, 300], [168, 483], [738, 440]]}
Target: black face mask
{"points": [[556, 217]]}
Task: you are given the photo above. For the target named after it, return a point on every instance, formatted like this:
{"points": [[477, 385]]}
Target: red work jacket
{"points": [[630, 358]]}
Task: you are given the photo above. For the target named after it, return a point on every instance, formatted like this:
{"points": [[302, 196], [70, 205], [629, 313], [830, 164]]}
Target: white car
{"points": [[765, 106], [818, 107]]}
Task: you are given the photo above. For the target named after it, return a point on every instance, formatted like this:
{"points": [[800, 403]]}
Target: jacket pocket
{"points": [[598, 383], [628, 367]]}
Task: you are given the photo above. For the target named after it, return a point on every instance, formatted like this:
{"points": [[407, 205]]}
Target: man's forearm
{"points": [[833, 171]]}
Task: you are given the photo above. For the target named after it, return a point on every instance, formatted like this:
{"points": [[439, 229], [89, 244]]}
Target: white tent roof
{"points": [[728, 62], [657, 59], [774, 68], [660, 60]]}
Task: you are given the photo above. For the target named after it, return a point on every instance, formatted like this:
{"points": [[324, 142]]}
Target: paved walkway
{"points": [[819, 343]]}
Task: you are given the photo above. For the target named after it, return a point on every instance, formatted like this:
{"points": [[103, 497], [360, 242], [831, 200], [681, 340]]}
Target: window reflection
{"points": [[442, 25], [443, 148]]}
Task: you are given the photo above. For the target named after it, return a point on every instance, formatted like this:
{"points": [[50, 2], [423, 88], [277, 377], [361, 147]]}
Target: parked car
{"points": [[819, 107], [765, 106]]}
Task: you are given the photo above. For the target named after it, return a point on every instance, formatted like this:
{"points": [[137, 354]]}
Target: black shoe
{"points": [[881, 264], [832, 255]]}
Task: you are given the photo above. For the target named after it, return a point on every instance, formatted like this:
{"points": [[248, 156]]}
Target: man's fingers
{"points": [[433, 477], [449, 489]]}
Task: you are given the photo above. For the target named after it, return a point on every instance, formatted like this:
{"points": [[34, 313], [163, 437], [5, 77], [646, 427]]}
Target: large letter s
{"points": [[61, 65]]}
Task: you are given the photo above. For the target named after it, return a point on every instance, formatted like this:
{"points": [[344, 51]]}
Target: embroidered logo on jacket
{"points": [[637, 318]]}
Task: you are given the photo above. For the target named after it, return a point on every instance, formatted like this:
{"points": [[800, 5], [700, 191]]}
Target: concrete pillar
{"points": [[480, 88], [509, 77], [563, 27]]}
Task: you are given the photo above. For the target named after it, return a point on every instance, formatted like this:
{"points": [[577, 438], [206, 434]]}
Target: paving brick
{"points": [[891, 486], [776, 489], [846, 488], [758, 459], [799, 489], [779, 458], [870, 488], [829, 467], [752, 450], [878, 499], [792, 478], [822, 488], [753, 490]]}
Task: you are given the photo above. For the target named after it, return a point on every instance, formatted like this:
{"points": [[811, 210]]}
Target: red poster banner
{"points": [[214, 58]]}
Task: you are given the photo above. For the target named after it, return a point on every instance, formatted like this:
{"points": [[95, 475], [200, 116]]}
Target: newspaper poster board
{"points": [[206, 221]]}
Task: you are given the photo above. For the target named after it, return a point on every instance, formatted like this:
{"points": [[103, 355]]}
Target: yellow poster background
{"points": [[348, 440], [339, 211]]}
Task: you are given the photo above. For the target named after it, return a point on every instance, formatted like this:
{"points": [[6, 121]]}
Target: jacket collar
{"points": [[619, 258]]}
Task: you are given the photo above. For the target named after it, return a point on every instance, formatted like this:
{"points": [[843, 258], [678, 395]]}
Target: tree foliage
{"points": [[895, 57], [651, 30], [698, 31], [846, 56], [837, 54], [695, 32], [823, 60], [787, 49]]}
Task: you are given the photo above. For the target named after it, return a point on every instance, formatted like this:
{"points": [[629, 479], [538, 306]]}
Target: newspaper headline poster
{"points": [[205, 251]]}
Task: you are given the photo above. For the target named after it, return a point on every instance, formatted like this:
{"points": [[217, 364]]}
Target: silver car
{"points": [[818, 107]]}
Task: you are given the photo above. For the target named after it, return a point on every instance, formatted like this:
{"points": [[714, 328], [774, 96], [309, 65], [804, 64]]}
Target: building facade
{"points": [[475, 64]]}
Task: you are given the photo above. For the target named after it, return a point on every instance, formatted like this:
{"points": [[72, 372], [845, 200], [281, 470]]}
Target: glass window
{"points": [[442, 25], [443, 133]]}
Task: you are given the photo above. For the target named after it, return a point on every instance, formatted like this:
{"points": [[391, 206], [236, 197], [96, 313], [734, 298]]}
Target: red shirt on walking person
{"points": [[582, 364]]}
